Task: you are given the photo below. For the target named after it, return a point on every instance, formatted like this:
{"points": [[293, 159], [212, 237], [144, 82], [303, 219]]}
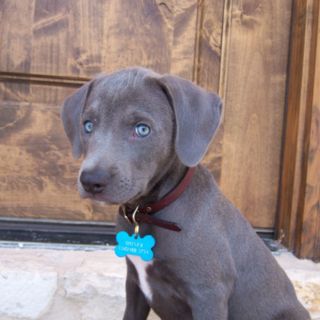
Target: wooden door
{"points": [[48, 48]]}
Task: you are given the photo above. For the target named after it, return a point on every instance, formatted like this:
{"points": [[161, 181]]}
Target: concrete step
{"points": [[70, 282]]}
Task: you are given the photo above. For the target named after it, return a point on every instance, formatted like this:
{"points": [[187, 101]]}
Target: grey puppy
{"points": [[139, 132]]}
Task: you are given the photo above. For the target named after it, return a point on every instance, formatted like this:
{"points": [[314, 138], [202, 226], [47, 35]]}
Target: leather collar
{"points": [[144, 214]]}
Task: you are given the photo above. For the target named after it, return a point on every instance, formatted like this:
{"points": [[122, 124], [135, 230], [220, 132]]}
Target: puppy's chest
{"points": [[157, 281], [141, 269]]}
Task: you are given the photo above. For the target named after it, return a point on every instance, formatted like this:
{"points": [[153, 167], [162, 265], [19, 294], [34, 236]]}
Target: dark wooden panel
{"points": [[288, 197], [254, 78], [48, 80], [308, 225], [308, 241], [298, 222]]}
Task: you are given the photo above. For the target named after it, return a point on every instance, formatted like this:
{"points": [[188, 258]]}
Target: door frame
{"points": [[298, 216]]}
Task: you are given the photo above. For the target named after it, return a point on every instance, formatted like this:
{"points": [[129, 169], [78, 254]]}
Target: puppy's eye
{"points": [[88, 126], [142, 130]]}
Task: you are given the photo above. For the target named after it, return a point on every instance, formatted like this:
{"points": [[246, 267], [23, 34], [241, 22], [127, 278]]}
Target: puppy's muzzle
{"points": [[93, 181]]}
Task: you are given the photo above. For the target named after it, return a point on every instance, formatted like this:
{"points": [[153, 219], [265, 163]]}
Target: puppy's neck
{"points": [[158, 188]]}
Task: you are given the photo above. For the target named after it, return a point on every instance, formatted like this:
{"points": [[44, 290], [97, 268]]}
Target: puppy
{"points": [[142, 136]]}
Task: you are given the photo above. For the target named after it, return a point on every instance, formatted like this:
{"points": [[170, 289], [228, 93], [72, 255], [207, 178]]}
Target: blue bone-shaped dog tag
{"points": [[134, 245]]}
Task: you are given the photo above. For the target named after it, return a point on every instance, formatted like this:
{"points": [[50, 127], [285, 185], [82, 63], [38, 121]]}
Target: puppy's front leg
{"points": [[210, 303], [137, 307]]}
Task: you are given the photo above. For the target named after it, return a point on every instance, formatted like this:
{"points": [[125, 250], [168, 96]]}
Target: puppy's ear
{"points": [[70, 115], [197, 114]]}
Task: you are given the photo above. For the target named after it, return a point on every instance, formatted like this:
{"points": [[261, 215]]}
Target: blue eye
{"points": [[88, 126], [142, 130]]}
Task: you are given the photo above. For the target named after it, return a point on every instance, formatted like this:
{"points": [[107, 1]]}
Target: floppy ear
{"points": [[70, 114], [197, 114]]}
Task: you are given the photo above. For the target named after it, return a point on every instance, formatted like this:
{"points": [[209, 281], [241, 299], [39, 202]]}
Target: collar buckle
{"points": [[144, 213]]}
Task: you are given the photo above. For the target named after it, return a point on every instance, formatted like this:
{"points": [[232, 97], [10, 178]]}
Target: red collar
{"points": [[143, 215]]}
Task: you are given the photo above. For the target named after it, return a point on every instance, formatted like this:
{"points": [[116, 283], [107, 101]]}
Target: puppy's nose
{"points": [[93, 181]]}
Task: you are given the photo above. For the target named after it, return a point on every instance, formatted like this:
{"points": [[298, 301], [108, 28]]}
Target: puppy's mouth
{"points": [[107, 196], [101, 197]]}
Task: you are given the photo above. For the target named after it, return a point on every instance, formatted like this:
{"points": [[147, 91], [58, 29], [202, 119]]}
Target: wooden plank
{"points": [[15, 35], [36, 78], [207, 68], [308, 221], [184, 38], [308, 244], [207, 64], [126, 43], [255, 78], [307, 73], [52, 96], [289, 190], [297, 224]]}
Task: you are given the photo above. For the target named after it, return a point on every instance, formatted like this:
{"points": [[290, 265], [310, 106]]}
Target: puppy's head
{"points": [[131, 125]]}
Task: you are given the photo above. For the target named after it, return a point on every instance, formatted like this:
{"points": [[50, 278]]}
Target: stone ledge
{"points": [[55, 284], [50, 282]]}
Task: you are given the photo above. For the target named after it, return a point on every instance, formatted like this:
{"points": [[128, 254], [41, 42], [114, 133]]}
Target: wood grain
{"points": [[255, 79], [308, 237], [207, 68], [298, 223], [308, 245], [184, 39], [294, 119], [80, 37], [306, 92], [15, 35]]}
